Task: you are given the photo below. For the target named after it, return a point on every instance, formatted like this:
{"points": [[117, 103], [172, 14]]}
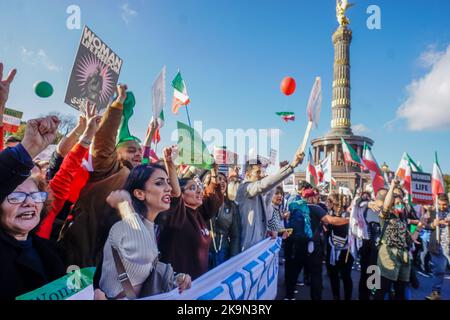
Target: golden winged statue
{"points": [[341, 7]]}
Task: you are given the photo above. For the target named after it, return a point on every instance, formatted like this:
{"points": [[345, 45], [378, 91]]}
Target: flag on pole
{"points": [[180, 95], [375, 172], [407, 181], [437, 180], [192, 149], [159, 95], [159, 124], [323, 170], [350, 154], [405, 162], [315, 102], [11, 120], [286, 116], [333, 181], [311, 174]]}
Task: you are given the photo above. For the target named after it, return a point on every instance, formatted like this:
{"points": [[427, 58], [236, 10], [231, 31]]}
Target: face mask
{"points": [[398, 209]]}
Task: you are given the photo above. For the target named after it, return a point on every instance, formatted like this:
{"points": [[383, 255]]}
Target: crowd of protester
{"points": [[133, 219]]}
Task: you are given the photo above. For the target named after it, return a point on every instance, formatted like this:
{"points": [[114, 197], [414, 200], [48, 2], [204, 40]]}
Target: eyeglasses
{"points": [[20, 197], [194, 187]]}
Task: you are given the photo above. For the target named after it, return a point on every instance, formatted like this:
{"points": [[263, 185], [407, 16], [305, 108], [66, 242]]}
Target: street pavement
{"points": [[304, 291]]}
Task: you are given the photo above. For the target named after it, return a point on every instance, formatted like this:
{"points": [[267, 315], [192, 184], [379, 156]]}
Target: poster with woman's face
{"points": [[95, 73]]}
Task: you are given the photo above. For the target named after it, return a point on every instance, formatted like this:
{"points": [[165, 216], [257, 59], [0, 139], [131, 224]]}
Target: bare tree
{"points": [[68, 122]]}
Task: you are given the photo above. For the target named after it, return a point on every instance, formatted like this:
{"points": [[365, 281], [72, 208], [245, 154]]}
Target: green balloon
{"points": [[43, 89]]}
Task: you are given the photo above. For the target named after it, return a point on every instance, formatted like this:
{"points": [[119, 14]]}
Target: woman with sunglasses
{"points": [[27, 261], [185, 239]]}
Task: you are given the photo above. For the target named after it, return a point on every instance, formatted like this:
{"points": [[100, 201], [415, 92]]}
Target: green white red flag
{"points": [[286, 116], [311, 174], [437, 179], [11, 120], [407, 180], [180, 95], [350, 155], [375, 172], [405, 162], [323, 170]]}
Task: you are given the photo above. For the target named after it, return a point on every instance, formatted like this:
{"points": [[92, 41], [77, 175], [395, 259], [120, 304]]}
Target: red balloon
{"points": [[288, 86]]}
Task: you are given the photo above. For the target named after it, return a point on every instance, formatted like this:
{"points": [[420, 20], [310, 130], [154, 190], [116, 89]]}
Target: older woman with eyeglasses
{"points": [[27, 261], [185, 239]]}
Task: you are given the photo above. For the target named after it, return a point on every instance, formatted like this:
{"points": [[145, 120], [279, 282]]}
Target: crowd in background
{"points": [[99, 202]]}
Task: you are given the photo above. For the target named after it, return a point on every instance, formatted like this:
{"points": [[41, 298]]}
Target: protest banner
{"points": [[95, 73], [11, 120], [75, 281], [251, 275], [421, 192]]}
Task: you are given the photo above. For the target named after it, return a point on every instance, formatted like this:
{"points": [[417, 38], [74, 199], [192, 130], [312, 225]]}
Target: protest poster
{"points": [[11, 120], [95, 73], [421, 192]]}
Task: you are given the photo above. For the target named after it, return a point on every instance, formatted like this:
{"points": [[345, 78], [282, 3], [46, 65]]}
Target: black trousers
{"points": [[341, 270], [368, 255], [297, 257], [386, 285]]}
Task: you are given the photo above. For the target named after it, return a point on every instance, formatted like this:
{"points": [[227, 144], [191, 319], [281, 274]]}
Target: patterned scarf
{"points": [[299, 210]]}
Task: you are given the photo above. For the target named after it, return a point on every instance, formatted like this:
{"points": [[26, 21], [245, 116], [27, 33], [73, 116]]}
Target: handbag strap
{"points": [[123, 276]]}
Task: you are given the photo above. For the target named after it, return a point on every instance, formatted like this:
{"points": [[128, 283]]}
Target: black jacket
{"points": [[17, 275]]}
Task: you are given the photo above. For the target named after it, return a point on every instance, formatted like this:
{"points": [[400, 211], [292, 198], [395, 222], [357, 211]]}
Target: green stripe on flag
{"points": [[282, 114], [178, 83]]}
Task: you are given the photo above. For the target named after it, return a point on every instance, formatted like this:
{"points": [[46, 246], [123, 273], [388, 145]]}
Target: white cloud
{"points": [[127, 13], [360, 128], [430, 57], [427, 106], [38, 58]]}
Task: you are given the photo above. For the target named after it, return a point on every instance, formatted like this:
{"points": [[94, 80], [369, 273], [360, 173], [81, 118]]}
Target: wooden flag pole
{"points": [[305, 138]]}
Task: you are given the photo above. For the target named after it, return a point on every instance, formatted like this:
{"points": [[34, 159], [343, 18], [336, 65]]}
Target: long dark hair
{"points": [[136, 180], [206, 179]]}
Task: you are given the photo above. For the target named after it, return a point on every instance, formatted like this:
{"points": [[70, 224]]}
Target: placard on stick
{"points": [[95, 73], [421, 188]]}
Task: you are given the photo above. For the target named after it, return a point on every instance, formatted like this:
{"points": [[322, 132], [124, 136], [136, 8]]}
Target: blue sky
{"points": [[233, 55]]}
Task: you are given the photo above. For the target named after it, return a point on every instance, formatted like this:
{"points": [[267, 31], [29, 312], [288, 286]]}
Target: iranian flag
{"points": [[323, 170], [407, 180], [159, 124], [180, 95], [311, 174], [350, 154], [286, 116], [437, 180], [406, 162], [375, 172], [11, 120]]}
